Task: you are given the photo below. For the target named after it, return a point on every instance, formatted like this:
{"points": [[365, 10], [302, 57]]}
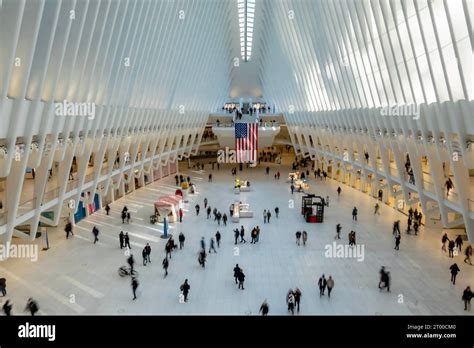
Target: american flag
{"points": [[246, 142]]}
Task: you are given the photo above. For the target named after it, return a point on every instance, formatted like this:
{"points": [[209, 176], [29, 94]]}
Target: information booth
{"points": [[312, 208], [167, 206]]}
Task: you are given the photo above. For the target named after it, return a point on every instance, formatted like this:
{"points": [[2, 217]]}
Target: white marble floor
{"points": [[77, 277]]}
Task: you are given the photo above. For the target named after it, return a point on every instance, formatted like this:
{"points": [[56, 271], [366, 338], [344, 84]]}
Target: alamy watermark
{"points": [[345, 251], [407, 110], [21, 251], [243, 156], [66, 108]]}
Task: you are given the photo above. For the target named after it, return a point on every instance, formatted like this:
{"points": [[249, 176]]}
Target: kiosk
{"points": [[295, 176], [312, 208], [240, 210], [167, 206]]}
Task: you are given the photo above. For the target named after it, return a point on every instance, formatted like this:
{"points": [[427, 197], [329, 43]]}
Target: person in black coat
{"points": [[322, 285], [7, 308], [165, 264], [124, 216], [454, 272], [236, 273], [121, 238], [241, 278], [264, 308], [185, 289], [466, 297], [134, 287], [236, 235], [127, 241], [181, 239], [451, 246], [218, 238]]}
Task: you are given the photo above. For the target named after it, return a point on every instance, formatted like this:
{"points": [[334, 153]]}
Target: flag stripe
{"points": [[246, 141]]}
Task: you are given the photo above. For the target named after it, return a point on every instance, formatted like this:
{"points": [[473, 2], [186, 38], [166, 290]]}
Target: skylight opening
{"points": [[246, 10]]}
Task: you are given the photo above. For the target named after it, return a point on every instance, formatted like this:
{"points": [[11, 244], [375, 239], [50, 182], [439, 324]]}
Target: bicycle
{"points": [[127, 271]]}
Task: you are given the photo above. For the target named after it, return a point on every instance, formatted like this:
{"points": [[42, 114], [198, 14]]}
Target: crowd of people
{"points": [[293, 298]]}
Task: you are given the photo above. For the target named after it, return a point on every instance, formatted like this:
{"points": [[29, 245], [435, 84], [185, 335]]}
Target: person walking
{"points": [[211, 246], [127, 241], [219, 216], [218, 239], [202, 258], [224, 219], [468, 254], [451, 246], [466, 297], [376, 209], [205, 202], [181, 239], [210, 177], [180, 215], [305, 237], [68, 229], [444, 239], [148, 252], [298, 237], [354, 214], [95, 232], [7, 308], [297, 295], [128, 217], [236, 235], [322, 285], [236, 273], [265, 216], [241, 278], [134, 287], [208, 212], [269, 215], [242, 234], [197, 209], [144, 256], [459, 242], [290, 300], [32, 306], [121, 238], [131, 262], [330, 285], [264, 308], [338, 231], [185, 287], [397, 241], [165, 264], [292, 187], [3, 286], [107, 209], [277, 210], [124, 216], [454, 272], [339, 191]]}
